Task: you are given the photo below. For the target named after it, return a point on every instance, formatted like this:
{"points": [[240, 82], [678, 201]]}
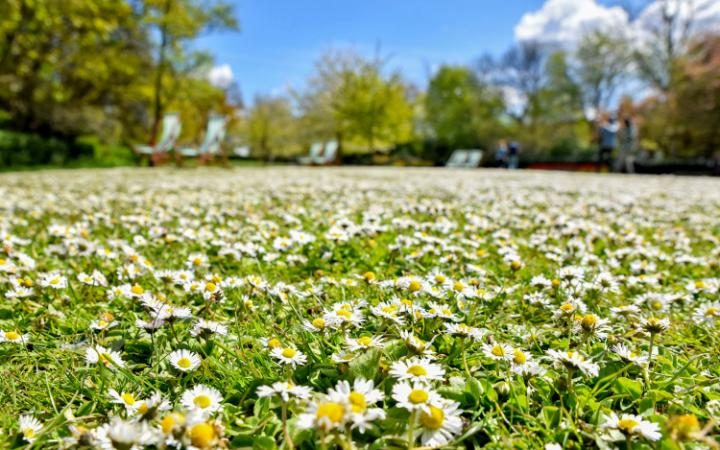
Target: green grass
{"points": [[274, 249]]}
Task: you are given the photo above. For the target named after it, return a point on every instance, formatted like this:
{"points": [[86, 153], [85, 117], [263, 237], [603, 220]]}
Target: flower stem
{"points": [[411, 431]]}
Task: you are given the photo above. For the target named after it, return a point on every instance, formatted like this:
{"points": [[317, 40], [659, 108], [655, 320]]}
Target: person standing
{"points": [[501, 154], [513, 155], [628, 135], [607, 141]]}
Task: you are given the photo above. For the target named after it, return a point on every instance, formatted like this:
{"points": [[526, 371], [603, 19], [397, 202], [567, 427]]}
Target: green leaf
{"points": [[264, 443], [365, 365], [629, 387]]}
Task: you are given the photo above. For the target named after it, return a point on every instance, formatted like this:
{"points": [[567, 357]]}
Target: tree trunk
{"points": [[158, 104]]}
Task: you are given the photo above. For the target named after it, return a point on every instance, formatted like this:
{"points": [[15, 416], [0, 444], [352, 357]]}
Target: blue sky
{"points": [[281, 39]]}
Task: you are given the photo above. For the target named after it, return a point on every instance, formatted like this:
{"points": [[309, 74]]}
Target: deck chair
{"points": [[457, 159], [170, 133], [210, 146], [314, 154], [474, 158], [330, 154]]}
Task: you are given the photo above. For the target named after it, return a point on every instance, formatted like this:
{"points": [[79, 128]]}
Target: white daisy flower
{"points": [[440, 424], [101, 355], [629, 425], [289, 356], [29, 427], [415, 396], [203, 399], [417, 369], [184, 360], [286, 390]]}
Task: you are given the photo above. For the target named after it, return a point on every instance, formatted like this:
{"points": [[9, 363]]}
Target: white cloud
{"points": [[564, 22], [221, 76]]}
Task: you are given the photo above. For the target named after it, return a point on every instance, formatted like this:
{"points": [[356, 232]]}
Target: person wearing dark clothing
{"points": [[513, 155], [607, 138]]}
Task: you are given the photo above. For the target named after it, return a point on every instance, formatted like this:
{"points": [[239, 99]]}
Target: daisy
{"points": [[462, 330], [629, 425], [415, 396], [325, 414], [573, 360], [286, 390], [127, 434], [359, 398], [363, 343], [29, 427], [624, 352], [654, 325], [440, 424], [14, 337], [417, 345], [707, 314], [184, 360], [53, 280], [207, 327], [127, 399], [101, 355], [591, 325], [203, 399], [417, 369], [289, 356], [498, 351]]}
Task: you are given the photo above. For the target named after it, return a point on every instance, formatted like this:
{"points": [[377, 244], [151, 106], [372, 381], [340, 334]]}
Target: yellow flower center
{"points": [[202, 435], [344, 313], [415, 286], [105, 358], [28, 433], [440, 278], [458, 286], [55, 280], [319, 323], [685, 425], [168, 422], [330, 410], [433, 420], [197, 261], [137, 289], [274, 343], [656, 305], [202, 401], [357, 401], [369, 276], [418, 396], [364, 341], [184, 362], [417, 371], [12, 335], [210, 287], [102, 323], [289, 352], [627, 425], [143, 408], [711, 312], [129, 399], [589, 321], [519, 357], [567, 307], [498, 351], [515, 265], [700, 284]]}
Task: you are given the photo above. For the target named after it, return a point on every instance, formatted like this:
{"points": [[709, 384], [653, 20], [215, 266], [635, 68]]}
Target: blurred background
{"points": [[408, 82]]}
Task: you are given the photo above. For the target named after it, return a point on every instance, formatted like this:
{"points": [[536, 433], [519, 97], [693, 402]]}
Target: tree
{"points": [[670, 27], [70, 67], [177, 22], [270, 127], [352, 100], [460, 110], [602, 66]]}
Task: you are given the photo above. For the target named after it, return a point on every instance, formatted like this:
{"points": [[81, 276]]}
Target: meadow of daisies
{"points": [[342, 309]]}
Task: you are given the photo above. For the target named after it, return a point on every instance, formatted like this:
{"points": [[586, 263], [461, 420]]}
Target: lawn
{"points": [[358, 308]]}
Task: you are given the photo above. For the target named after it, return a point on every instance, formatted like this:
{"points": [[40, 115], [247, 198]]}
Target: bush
{"points": [[25, 149]]}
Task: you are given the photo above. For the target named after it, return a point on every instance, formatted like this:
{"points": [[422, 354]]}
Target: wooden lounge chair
{"points": [[474, 159], [330, 154], [211, 144], [314, 154], [457, 159], [170, 133]]}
